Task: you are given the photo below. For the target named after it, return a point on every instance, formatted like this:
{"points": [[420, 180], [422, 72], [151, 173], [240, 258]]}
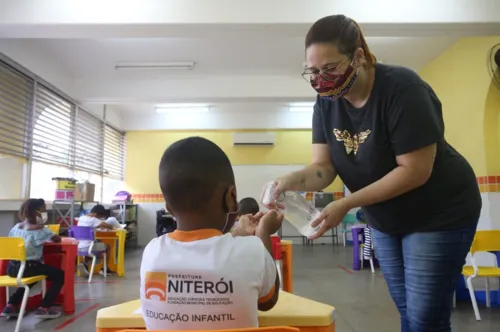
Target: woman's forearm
{"points": [[315, 177], [397, 182]]}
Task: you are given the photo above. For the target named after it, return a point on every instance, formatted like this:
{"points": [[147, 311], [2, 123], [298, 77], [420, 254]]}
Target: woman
{"points": [[380, 129], [34, 236]]}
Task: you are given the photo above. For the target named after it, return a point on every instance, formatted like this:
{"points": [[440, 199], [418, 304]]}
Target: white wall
{"points": [[249, 115]]}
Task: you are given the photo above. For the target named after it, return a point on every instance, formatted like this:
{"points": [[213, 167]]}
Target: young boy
{"points": [[93, 219], [199, 277]]}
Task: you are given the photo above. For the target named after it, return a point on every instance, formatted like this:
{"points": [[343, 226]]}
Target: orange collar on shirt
{"points": [[190, 236]]}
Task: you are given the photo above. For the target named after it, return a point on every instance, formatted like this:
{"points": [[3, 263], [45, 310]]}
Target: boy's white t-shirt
{"points": [[88, 222], [205, 280]]}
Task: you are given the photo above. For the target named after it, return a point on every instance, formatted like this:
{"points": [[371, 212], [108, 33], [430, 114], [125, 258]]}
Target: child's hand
{"points": [[270, 222], [247, 224]]}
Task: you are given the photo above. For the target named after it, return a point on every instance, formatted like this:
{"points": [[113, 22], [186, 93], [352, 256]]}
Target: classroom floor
{"points": [[361, 299]]}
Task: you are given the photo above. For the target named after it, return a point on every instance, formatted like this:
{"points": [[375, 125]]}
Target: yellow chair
{"points": [[55, 228], [252, 329], [483, 241], [12, 248]]}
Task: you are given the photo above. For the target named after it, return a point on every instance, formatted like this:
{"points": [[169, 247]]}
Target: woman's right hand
{"points": [[289, 182]]}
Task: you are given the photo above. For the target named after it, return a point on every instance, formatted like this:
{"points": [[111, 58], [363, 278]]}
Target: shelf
{"points": [[123, 208]]}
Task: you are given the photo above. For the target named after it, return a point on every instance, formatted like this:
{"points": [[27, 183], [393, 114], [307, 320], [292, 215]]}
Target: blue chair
{"points": [[84, 233]]}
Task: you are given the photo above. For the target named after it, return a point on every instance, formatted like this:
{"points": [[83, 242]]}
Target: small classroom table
{"points": [[291, 310], [111, 238], [61, 255]]}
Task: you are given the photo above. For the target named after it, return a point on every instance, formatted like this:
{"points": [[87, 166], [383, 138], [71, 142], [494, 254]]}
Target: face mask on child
{"points": [[42, 219]]}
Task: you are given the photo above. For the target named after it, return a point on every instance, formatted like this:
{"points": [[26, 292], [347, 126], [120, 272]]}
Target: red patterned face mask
{"points": [[332, 87]]}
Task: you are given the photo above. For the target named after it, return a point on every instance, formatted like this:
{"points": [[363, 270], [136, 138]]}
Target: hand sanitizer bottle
{"points": [[295, 208]]}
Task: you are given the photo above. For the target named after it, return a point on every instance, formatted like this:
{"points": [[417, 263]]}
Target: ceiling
{"points": [[85, 58]]}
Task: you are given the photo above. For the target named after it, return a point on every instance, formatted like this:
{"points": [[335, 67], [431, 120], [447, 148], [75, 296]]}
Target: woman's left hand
{"points": [[330, 217]]}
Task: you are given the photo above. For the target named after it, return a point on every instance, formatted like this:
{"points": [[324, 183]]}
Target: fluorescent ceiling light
{"points": [[155, 66], [182, 105], [302, 104], [302, 109], [182, 110]]}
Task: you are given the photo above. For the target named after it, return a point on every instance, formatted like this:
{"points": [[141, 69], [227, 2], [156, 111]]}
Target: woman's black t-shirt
{"points": [[402, 114]]}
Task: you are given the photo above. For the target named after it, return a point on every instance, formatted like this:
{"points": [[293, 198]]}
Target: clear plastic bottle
{"points": [[296, 209]]}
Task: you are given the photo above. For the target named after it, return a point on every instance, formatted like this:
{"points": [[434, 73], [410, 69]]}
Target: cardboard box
{"points": [[85, 192]]}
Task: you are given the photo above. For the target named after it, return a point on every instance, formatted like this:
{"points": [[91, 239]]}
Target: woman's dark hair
{"points": [[98, 210], [343, 32], [29, 208]]}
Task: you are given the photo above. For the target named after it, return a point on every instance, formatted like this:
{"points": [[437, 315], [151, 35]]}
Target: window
{"points": [[16, 92], [41, 125], [42, 185], [88, 142], [114, 142], [16, 101], [110, 188], [52, 135]]}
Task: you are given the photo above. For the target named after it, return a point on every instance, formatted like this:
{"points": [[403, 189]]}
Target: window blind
{"points": [[16, 98], [88, 142], [114, 144], [53, 136]]}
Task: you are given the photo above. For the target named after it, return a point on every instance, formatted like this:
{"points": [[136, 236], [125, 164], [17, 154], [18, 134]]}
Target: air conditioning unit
{"points": [[253, 139]]}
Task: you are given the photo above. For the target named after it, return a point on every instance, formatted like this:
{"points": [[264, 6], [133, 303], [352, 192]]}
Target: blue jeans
{"points": [[421, 270]]}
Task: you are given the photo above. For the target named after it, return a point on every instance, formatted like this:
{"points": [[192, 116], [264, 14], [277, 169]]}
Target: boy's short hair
{"points": [[98, 210], [190, 172], [248, 205]]}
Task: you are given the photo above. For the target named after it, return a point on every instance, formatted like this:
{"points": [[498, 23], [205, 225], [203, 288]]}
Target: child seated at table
{"points": [[34, 236], [201, 277], [94, 219]]}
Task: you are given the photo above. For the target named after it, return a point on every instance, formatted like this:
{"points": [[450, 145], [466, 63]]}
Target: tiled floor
{"points": [[361, 299]]}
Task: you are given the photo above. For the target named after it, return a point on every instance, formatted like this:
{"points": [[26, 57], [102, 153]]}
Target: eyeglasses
{"points": [[330, 74]]}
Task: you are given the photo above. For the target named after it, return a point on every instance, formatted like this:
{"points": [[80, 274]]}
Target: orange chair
{"points": [[252, 329]]}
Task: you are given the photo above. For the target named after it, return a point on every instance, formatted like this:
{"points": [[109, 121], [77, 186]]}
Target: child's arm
{"points": [[268, 225], [44, 235], [105, 225]]}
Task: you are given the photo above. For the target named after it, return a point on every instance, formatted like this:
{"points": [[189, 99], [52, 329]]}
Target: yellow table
{"points": [[110, 238], [291, 310]]}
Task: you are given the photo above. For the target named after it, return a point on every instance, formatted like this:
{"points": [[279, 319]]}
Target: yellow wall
{"points": [[471, 104], [145, 148]]}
